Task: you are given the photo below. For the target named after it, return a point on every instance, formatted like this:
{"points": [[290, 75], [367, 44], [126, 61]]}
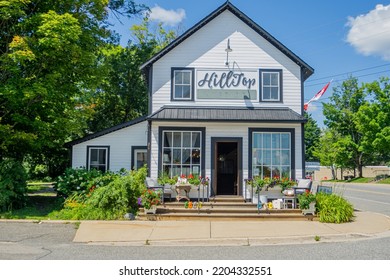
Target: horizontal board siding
{"points": [[120, 143], [206, 49], [226, 130]]}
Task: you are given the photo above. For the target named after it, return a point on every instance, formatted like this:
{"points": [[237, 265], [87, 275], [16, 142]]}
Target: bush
{"points": [[333, 208], [13, 186], [107, 202], [76, 181]]}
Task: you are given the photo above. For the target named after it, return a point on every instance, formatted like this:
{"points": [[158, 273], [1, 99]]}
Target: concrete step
{"points": [[226, 209], [226, 216]]}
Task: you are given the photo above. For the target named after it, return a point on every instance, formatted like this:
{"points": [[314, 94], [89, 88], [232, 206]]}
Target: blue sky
{"points": [[337, 38]]}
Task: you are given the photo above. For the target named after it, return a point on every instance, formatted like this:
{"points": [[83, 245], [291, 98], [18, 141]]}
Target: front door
{"points": [[226, 166]]}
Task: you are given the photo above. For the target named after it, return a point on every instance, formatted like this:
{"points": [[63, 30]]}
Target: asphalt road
{"points": [[49, 241], [54, 241], [367, 197]]}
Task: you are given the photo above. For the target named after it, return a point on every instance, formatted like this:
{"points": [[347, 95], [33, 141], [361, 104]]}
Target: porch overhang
{"points": [[227, 114]]}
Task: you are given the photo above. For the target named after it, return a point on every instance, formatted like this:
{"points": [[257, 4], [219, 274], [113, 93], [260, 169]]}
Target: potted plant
{"points": [[194, 180], [307, 202], [286, 183], [259, 183], [150, 199]]}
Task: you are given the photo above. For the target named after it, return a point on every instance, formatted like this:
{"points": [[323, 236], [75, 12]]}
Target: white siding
{"points": [[205, 49], [120, 143], [226, 130]]}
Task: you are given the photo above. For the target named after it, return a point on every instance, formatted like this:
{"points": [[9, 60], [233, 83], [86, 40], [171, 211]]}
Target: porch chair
{"points": [[154, 185], [303, 186]]}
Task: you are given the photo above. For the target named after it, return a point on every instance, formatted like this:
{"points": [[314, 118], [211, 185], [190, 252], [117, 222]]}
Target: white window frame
{"points": [[98, 164], [278, 85], [193, 167], [262, 165], [190, 85], [135, 155]]}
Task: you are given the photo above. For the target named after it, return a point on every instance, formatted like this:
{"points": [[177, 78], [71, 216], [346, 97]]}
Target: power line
{"points": [[340, 80], [350, 72]]}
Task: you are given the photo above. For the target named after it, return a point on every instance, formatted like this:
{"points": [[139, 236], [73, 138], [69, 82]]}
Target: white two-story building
{"points": [[225, 102]]}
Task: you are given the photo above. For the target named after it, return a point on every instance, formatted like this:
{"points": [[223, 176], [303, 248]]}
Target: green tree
{"points": [[340, 114], [48, 61], [312, 137], [373, 120], [123, 93], [331, 151]]}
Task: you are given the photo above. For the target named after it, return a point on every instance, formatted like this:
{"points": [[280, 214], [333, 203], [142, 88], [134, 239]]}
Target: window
{"points": [[271, 85], [139, 157], [98, 158], [272, 154], [182, 84], [181, 152]]}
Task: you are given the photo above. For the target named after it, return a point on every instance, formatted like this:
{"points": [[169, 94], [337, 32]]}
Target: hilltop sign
{"points": [[219, 84]]}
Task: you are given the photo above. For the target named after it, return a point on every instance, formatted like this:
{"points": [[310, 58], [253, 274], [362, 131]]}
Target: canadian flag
{"points": [[317, 96]]}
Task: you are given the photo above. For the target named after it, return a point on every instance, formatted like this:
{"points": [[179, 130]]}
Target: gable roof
{"points": [[307, 70], [227, 114], [106, 131]]}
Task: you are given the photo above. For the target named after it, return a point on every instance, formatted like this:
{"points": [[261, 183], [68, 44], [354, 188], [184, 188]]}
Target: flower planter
{"points": [[311, 210], [151, 210]]}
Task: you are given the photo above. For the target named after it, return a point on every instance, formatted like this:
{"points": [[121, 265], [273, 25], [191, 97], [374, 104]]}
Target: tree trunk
{"points": [[333, 172]]}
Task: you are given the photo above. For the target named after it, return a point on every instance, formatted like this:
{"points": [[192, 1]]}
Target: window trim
{"points": [[107, 148], [280, 72], [133, 159], [161, 129], [192, 86], [270, 130]]}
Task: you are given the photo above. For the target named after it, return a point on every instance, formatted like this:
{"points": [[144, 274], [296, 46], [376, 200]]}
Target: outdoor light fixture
{"points": [[228, 50]]}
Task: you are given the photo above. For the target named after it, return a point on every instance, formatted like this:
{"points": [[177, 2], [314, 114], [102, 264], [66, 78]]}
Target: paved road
{"points": [[47, 241], [367, 197]]}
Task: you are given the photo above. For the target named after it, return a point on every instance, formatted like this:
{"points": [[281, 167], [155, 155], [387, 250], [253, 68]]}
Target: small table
{"points": [[179, 191]]}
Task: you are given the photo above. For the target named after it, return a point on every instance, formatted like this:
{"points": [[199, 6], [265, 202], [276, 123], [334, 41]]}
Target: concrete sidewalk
{"points": [[229, 233]]}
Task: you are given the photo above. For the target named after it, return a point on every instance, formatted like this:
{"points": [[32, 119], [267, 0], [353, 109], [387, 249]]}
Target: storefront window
{"points": [[271, 154], [181, 152]]}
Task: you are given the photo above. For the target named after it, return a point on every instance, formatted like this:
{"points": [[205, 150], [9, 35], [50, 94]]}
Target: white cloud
{"points": [[369, 34], [167, 17]]}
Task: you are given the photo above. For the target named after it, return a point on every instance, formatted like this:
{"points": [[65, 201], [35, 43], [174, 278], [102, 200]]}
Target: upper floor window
{"points": [[182, 84], [271, 85]]}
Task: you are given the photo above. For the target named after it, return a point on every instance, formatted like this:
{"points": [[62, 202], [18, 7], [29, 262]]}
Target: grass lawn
{"points": [[361, 180], [384, 181], [41, 201]]}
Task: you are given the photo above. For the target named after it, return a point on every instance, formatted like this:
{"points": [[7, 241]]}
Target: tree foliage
{"points": [[123, 94], [340, 114], [49, 54], [358, 117], [312, 137]]}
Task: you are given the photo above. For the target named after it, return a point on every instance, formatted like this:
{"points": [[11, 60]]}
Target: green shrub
{"points": [[106, 202], [76, 181], [332, 208], [13, 186]]}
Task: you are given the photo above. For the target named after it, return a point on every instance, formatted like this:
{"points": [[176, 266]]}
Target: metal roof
{"points": [[307, 70], [224, 114]]}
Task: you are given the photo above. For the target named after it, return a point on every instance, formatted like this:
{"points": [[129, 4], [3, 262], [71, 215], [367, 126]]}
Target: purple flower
{"points": [[139, 201]]}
